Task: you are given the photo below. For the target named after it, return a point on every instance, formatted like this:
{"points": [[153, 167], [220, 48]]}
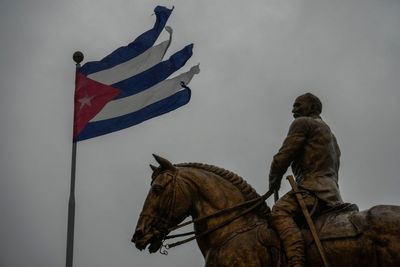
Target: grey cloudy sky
{"points": [[255, 58]]}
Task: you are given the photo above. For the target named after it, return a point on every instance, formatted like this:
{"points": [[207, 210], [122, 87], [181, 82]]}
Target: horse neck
{"points": [[211, 193]]}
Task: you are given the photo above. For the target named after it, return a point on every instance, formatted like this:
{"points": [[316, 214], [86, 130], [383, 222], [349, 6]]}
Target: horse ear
{"points": [[164, 163], [153, 167]]}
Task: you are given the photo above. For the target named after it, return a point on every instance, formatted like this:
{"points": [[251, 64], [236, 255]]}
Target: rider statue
{"points": [[313, 153]]}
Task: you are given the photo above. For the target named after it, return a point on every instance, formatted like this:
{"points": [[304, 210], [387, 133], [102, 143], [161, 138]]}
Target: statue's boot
{"points": [[292, 240]]}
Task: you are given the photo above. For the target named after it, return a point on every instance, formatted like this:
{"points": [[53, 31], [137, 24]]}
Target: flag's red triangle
{"points": [[90, 97]]}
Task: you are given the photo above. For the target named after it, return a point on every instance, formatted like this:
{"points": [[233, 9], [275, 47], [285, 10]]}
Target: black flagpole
{"points": [[77, 57]]}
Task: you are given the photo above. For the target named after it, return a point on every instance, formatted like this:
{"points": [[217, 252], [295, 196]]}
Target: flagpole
{"points": [[78, 58]]}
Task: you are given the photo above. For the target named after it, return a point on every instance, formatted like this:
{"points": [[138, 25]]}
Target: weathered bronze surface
{"points": [[369, 238], [312, 150]]}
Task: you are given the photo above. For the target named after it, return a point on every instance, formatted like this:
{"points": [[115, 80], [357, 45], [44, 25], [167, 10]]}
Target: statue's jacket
{"points": [[312, 150]]}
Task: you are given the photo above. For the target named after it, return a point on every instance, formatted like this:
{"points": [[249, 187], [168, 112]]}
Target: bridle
{"points": [[159, 221], [164, 222]]}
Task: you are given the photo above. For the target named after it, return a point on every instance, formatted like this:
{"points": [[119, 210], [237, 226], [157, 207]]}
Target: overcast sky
{"points": [[255, 58]]}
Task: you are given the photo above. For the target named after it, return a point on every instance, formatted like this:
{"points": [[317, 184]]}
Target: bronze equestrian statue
{"points": [[232, 223], [311, 149], [233, 226]]}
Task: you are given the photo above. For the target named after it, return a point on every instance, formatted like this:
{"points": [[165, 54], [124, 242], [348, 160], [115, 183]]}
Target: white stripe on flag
{"points": [[140, 100], [136, 65]]}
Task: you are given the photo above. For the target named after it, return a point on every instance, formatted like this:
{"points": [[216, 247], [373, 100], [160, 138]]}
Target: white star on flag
{"points": [[86, 100]]}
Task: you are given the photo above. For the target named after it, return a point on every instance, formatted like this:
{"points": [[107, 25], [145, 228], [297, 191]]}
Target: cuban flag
{"points": [[130, 85]]}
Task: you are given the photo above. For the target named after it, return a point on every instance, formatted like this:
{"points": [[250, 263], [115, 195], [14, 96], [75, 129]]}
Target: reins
{"points": [[258, 201]]}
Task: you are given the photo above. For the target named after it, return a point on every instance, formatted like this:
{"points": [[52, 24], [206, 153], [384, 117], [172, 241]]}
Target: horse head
{"points": [[166, 205]]}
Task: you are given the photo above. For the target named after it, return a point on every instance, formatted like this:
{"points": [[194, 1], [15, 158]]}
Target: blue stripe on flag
{"points": [[168, 104], [135, 48], [155, 74]]}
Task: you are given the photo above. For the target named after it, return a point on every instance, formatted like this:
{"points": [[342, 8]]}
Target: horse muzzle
{"points": [[142, 240]]}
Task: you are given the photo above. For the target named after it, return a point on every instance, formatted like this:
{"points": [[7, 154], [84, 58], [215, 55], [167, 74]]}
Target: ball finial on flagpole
{"points": [[78, 57]]}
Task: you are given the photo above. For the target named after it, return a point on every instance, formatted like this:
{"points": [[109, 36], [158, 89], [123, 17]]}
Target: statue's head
{"points": [[307, 105]]}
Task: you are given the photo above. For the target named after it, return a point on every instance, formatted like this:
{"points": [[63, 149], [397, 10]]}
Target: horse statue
{"points": [[232, 228]]}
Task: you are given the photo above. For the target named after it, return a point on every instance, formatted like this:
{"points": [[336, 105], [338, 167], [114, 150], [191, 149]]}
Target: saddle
{"points": [[342, 222], [339, 222]]}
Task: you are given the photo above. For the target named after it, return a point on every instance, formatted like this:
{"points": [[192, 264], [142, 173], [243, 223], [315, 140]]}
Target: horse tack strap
{"points": [[261, 199], [220, 212], [179, 235], [170, 208]]}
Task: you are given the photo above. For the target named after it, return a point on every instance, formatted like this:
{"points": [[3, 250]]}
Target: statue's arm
{"points": [[289, 150]]}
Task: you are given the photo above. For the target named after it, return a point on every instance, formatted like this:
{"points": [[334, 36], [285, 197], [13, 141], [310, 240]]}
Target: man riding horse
{"points": [[313, 153]]}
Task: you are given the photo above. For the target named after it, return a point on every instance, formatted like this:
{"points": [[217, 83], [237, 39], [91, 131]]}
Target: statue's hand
{"points": [[275, 183]]}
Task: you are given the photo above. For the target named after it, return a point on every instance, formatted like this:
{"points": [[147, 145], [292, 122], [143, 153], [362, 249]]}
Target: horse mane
{"points": [[247, 190]]}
